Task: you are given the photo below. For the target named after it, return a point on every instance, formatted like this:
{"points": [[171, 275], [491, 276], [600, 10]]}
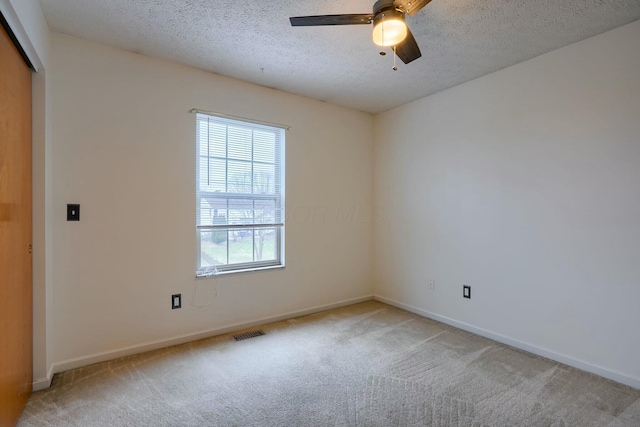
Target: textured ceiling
{"points": [[253, 40]]}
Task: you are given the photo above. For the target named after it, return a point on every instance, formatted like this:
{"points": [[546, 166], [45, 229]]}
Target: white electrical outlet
{"points": [[432, 284]]}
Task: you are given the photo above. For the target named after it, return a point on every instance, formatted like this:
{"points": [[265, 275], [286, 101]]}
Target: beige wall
{"points": [[524, 185], [124, 148]]}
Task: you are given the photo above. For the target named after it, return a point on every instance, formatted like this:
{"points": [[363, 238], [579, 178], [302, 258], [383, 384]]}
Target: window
{"points": [[239, 195]]}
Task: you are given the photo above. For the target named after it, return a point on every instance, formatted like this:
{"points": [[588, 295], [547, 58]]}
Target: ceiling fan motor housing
{"points": [[382, 5], [391, 13], [389, 27]]}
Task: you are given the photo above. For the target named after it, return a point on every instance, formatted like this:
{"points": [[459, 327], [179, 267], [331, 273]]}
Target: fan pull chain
{"points": [[395, 54]]}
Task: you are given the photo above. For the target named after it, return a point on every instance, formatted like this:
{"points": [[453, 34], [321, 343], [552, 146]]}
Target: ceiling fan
{"points": [[389, 26]]}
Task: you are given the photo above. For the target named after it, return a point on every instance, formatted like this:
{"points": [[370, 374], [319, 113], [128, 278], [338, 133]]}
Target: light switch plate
{"points": [[176, 301], [73, 212], [466, 291]]}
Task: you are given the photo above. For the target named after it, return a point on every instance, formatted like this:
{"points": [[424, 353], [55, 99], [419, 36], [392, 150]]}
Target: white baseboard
{"points": [[154, 345], [45, 382], [540, 351]]}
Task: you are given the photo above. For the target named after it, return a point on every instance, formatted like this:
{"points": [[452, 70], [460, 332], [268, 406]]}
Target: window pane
{"points": [[265, 244], [239, 177], [263, 179], [213, 248], [212, 174], [206, 213], [213, 211], [212, 138], [264, 211], [264, 146], [239, 143], [241, 245], [240, 211]]}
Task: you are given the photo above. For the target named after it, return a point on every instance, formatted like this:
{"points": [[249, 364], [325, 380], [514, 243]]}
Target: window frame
{"points": [[278, 197]]}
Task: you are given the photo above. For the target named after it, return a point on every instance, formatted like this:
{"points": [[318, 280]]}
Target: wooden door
{"points": [[16, 366]]}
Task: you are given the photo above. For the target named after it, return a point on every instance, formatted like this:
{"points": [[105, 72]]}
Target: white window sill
{"points": [[246, 270]]}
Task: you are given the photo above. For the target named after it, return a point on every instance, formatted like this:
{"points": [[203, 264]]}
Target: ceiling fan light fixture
{"points": [[389, 28]]}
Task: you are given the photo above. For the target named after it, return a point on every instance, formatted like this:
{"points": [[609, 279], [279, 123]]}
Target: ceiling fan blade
{"points": [[353, 19], [408, 49], [411, 6]]}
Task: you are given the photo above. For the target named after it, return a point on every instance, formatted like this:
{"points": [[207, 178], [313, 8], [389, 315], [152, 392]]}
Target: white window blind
{"points": [[239, 195]]}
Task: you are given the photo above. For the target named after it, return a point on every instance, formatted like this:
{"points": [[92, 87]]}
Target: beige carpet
{"points": [[365, 365]]}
